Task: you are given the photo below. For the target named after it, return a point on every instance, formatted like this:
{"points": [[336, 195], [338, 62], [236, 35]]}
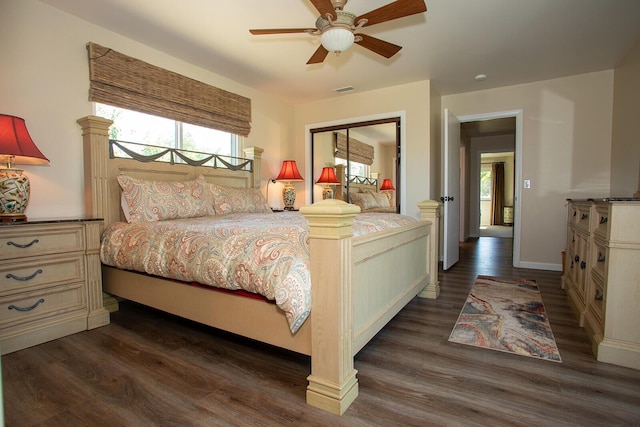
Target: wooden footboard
{"points": [[358, 284]]}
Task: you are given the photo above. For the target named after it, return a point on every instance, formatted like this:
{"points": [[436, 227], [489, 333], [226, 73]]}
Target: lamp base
{"points": [[14, 194], [327, 193], [288, 196], [13, 218]]}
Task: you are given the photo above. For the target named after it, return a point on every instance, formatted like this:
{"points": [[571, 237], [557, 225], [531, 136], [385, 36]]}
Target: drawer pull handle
{"points": [[599, 295], [24, 279], [577, 258], [584, 216], [604, 220], [13, 307], [583, 265], [18, 245], [601, 258]]}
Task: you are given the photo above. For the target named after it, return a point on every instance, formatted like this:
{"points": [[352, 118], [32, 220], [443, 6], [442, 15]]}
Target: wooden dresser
{"points": [[602, 276], [50, 281]]}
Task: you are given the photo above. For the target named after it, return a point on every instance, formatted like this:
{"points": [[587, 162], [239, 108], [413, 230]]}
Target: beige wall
{"points": [[412, 99], [566, 151], [625, 147], [45, 80]]}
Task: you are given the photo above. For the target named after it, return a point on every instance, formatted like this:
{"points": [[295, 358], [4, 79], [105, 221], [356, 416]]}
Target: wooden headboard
{"points": [[102, 191], [356, 185]]}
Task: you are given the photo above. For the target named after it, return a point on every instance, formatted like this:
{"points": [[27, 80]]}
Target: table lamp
{"points": [[16, 147], [386, 188], [289, 172], [328, 178]]}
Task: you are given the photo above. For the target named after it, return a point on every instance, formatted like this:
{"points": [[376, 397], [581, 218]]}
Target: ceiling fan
{"points": [[337, 28]]}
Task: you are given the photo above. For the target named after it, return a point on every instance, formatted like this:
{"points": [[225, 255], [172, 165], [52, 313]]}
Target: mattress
{"points": [[265, 254]]}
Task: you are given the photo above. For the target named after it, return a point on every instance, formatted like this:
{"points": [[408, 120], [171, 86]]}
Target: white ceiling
{"points": [[512, 41]]}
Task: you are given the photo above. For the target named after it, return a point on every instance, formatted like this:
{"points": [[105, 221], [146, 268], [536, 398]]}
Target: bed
{"points": [[350, 301]]}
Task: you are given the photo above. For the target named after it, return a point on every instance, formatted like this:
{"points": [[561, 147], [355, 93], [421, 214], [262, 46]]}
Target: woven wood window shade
{"points": [[359, 152], [125, 82]]}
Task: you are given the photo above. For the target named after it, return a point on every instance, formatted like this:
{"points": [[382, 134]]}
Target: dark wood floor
{"points": [[147, 368]]}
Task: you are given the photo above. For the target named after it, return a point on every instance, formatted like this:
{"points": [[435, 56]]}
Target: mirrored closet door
{"points": [[364, 157]]}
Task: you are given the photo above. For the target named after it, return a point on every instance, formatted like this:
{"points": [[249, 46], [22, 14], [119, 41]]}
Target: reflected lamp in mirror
{"points": [[328, 178], [386, 188], [16, 147], [289, 172]]}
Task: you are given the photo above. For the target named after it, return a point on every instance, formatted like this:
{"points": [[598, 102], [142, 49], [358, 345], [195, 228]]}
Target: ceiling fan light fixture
{"points": [[337, 39]]}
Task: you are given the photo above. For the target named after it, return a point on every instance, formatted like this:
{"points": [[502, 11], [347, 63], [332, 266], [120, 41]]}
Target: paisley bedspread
{"points": [[267, 254]]}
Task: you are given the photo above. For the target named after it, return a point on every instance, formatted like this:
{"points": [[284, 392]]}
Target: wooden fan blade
{"points": [[318, 56], [395, 10], [282, 31], [378, 46], [324, 7]]}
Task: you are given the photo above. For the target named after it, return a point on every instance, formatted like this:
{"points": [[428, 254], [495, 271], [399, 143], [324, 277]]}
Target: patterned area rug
{"points": [[506, 315]]}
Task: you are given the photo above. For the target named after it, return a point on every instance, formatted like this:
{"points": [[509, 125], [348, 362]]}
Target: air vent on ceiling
{"points": [[344, 89]]}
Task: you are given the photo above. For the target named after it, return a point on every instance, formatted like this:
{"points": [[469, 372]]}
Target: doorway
{"points": [[486, 124], [496, 182]]}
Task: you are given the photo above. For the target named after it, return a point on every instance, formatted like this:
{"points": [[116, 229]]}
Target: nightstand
{"points": [[50, 280]]}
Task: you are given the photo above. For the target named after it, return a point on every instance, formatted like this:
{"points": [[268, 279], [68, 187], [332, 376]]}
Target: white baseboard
{"points": [[539, 266]]}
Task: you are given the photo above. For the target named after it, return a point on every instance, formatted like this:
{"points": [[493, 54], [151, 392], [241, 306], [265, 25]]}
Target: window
{"points": [[132, 126], [355, 168], [485, 182]]}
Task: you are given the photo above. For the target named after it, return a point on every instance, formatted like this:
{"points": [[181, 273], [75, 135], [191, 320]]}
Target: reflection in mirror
{"points": [[363, 156]]}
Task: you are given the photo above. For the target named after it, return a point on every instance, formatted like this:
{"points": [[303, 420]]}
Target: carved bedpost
{"points": [[430, 211], [255, 154], [95, 139], [332, 384]]}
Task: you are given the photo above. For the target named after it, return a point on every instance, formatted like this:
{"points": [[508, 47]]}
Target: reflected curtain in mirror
{"points": [[358, 151]]}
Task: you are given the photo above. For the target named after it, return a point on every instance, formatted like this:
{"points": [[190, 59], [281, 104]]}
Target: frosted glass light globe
{"points": [[337, 39]]}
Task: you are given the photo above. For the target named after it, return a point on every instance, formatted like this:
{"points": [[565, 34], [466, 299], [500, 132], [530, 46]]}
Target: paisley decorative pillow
{"points": [[232, 200], [364, 200], [144, 200], [382, 201]]}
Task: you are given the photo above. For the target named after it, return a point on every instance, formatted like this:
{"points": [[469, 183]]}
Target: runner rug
{"points": [[506, 315]]}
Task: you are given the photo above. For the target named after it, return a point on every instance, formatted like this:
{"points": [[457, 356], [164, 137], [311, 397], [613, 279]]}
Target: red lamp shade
{"points": [[328, 176], [15, 141], [387, 185], [289, 172]]}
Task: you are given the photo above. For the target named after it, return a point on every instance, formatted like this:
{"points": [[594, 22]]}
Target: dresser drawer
{"points": [[600, 254], [602, 221], [33, 273], [31, 306], [25, 241], [582, 217], [597, 299]]}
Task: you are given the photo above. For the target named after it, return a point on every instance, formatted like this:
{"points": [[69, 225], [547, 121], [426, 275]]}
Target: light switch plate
{"points": [[527, 183]]}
